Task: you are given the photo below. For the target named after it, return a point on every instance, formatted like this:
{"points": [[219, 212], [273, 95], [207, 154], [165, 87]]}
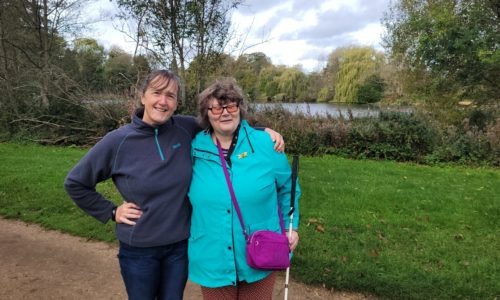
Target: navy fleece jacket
{"points": [[151, 167]]}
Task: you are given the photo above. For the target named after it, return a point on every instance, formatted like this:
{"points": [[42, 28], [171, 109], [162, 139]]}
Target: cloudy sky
{"points": [[290, 32]]}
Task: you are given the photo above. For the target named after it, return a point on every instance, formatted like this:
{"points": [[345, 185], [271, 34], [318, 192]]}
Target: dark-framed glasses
{"points": [[231, 108]]}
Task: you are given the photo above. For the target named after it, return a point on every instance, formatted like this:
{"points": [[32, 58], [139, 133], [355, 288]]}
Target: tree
{"points": [[31, 53], [355, 64], [247, 69], [291, 83], [180, 31], [268, 81], [327, 93], [32, 32], [451, 44], [257, 61], [90, 57], [118, 71], [393, 77], [371, 90], [314, 83], [247, 78]]}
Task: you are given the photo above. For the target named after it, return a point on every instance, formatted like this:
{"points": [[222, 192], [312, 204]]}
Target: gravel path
{"points": [[44, 264]]}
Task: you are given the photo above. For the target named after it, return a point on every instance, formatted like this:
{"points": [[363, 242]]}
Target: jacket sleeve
{"points": [[283, 177], [80, 183]]}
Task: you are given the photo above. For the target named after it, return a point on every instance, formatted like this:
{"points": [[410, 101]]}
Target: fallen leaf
{"points": [[312, 221], [381, 236], [374, 253], [320, 228]]}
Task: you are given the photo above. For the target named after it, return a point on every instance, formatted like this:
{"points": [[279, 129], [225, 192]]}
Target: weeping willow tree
{"points": [[292, 83], [353, 66]]}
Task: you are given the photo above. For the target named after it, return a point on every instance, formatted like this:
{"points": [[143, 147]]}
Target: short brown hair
{"points": [[224, 90], [164, 77]]}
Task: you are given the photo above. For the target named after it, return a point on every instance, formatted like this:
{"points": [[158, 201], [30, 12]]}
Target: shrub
{"points": [[304, 133], [395, 136], [493, 136], [418, 137], [480, 119], [467, 144]]}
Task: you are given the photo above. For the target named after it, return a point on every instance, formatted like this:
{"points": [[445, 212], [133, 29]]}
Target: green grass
{"points": [[31, 189], [398, 231]]}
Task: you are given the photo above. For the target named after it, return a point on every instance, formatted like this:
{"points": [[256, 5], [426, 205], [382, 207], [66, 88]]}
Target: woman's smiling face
{"points": [[160, 101], [226, 122]]}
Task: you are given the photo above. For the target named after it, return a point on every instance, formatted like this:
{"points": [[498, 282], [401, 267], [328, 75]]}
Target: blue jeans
{"points": [[154, 272]]}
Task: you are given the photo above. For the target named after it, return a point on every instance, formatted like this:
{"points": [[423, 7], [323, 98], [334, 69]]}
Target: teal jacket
{"points": [[261, 178]]}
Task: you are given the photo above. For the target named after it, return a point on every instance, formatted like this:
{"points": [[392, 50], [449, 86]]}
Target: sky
{"points": [[289, 32]]}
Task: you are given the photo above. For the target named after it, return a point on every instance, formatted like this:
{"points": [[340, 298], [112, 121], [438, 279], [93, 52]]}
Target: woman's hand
{"points": [[128, 213], [293, 239], [279, 142]]}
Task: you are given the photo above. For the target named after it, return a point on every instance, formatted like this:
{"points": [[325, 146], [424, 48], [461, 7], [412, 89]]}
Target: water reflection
{"points": [[333, 109]]}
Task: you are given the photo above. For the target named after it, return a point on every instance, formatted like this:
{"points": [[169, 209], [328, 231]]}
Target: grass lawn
{"points": [[399, 231]]}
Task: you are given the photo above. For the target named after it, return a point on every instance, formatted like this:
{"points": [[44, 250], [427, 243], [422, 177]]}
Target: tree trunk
{"points": [[44, 36]]}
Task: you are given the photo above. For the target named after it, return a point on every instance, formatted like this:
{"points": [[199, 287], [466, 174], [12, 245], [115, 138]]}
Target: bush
{"points": [[394, 136], [493, 136], [304, 133], [467, 144], [69, 121], [417, 137]]}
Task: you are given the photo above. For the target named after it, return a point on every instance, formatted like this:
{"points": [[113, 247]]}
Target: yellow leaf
{"points": [[320, 228]]}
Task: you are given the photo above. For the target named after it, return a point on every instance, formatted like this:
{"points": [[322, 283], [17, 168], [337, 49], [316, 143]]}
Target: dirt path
{"points": [[40, 264]]}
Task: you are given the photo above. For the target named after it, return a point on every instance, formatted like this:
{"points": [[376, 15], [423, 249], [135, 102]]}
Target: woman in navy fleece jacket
{"points": [[149, 162]]}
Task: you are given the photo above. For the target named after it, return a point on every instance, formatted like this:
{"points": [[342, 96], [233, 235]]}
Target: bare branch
{"points": [[55, 125]]}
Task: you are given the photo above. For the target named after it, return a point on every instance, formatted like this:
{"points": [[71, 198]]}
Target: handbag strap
{"points": [[231, 190], [233, 196]]}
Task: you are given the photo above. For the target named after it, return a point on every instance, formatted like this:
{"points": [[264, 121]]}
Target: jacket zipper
{"points": [[158, 145]]}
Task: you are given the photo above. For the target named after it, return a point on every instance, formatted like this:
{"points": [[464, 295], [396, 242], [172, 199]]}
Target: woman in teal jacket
{"points": [[261, 178]]}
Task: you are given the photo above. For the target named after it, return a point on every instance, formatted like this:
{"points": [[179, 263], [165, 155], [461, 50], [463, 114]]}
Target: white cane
{"points": [[287, 277], [295, 166]]}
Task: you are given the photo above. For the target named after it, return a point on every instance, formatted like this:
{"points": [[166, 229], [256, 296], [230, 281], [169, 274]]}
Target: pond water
{"points": [[333, 109]]}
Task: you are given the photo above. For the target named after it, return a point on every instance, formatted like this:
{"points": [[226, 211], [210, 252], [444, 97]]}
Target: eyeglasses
{"points": [[231, 108]]}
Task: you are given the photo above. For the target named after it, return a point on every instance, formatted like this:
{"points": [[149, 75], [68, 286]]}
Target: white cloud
{"points": [[99, 16], [305, 32], [290, 32], [370, 35]]}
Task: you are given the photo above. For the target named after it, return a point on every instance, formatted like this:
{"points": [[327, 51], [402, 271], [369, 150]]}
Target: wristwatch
{"points": [[113, 214]]}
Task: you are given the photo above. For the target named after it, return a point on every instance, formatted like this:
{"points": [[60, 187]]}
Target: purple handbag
{"points": [[268, 250], [265, 249]]}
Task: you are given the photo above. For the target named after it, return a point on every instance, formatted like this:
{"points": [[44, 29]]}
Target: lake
{"points": [[333, 109]]}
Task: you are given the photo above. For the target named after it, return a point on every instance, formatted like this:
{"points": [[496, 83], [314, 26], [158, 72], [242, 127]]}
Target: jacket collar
{"points": [[244, 133], [139, 125]]}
